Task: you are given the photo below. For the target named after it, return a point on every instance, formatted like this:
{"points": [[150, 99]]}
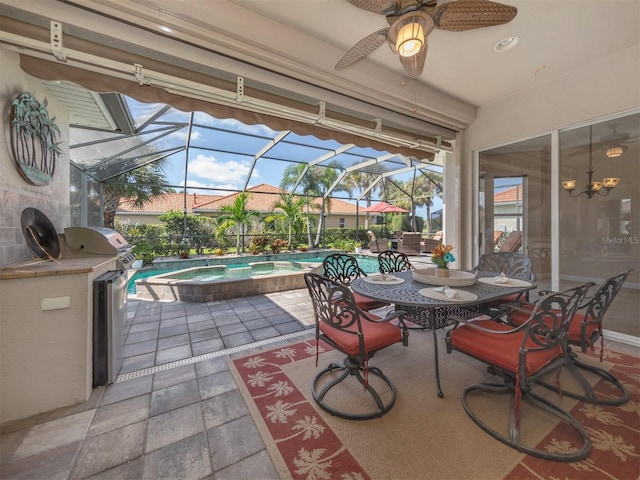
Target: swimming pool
{"points": [[368, 263]]}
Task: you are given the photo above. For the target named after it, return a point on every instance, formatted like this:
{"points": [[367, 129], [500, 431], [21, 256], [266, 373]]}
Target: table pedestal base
{"points": [[428, 317]]}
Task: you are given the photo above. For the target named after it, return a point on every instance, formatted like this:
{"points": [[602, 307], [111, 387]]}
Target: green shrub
{"points": [[278, 245], [259, 244]]}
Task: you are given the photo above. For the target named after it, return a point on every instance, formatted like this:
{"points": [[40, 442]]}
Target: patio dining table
{"points": [[431, 312]]}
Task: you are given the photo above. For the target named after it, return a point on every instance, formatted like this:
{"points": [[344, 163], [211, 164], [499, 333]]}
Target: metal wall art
{"points": [[34, 135]]}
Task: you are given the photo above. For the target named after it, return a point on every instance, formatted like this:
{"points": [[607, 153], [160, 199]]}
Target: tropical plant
{"points": [[314, 181], [427, 186], [236, 216], [259, 244], [359, 181], [290, 211], [277, 245], [134, 188], [191, 230]]}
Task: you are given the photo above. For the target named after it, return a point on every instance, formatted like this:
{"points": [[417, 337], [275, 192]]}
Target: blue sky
{"points": [[222, 151]]}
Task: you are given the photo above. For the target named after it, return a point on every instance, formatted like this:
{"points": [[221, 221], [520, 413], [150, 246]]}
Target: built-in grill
{"points": [[109, 297], [87, 241]]}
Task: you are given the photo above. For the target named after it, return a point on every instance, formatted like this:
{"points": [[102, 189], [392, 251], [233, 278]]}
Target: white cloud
{"points": [[193, 186], [235, 125], [182, 134], [218, 174]]}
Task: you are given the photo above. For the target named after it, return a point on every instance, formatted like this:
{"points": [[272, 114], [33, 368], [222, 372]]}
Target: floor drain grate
{"points": [[188, 361]]}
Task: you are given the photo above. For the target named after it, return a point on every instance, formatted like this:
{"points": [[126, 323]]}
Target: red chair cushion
{"points": [[575, 328], [376, 336], [500, 350], [365, 303]]}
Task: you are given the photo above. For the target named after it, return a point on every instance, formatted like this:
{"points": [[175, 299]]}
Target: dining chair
{"points": [[521, 355], [344, 269], [516, 265], [584, 331], [391, 261], [359, 335]]}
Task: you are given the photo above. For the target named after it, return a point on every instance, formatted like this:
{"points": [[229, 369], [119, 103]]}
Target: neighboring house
{"points": [[507, 209], [151, 211], [261, 198]]}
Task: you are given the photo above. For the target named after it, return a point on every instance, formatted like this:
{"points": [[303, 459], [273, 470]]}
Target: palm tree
{"points": [[425, 188], [291, 213], [236, 216], [359, 180], [316, 182], [289, 179], [135, 187]]}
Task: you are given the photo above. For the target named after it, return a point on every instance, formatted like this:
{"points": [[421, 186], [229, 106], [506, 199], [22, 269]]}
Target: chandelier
{"points": [[608, 183]]}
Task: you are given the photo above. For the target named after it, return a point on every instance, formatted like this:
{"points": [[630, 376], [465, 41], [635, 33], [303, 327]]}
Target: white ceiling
{"points": [[304, 39], [556, 37]]}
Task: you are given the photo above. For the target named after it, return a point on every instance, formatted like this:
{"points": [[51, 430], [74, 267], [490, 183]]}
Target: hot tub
{"points": [[219, 282]]}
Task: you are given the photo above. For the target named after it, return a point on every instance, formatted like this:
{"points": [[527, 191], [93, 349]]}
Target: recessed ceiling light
{"points": [[506, 44]]}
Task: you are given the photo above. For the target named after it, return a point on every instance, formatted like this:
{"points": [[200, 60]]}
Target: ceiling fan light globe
{"points": [[410, 39], [613, 152]]}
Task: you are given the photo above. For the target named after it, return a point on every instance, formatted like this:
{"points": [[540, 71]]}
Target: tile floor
{"points": [[175, 411]]}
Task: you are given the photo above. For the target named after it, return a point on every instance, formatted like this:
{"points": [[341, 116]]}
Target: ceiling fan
{"points": [[411, 21], [616, 143]]}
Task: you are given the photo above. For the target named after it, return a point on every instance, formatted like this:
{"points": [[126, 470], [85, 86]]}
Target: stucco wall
{"points": [[16, 194]]}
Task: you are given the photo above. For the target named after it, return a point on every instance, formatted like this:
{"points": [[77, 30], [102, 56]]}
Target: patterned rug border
{"points": [[313, 462], [302, 460]]}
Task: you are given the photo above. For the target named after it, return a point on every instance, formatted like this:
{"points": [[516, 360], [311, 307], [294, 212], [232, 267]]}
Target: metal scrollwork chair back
{"points": [[516, 265], [391, 262], [344, 269], [584, 331]]}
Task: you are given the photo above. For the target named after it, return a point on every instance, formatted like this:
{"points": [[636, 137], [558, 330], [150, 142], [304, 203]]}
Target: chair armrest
{"points": [[456, 321], [392, 316]]}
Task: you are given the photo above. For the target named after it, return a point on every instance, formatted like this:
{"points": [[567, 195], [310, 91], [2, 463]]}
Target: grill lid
{"points": [[96, 241]]}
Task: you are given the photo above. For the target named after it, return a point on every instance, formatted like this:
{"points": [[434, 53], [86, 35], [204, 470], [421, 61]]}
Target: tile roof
{"points": [[509, 195], [167, 202], [261, 198]]}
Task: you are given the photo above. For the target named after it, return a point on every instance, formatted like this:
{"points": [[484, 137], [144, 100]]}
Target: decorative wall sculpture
{"points": [[34, 135]]}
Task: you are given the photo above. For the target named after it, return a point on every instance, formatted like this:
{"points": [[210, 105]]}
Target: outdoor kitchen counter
{"points": [[66, 266], [46, 346]]}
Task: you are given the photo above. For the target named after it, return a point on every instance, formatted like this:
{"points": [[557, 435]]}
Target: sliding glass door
{"points": [[599, 230], [596, 235], [514, 205]]}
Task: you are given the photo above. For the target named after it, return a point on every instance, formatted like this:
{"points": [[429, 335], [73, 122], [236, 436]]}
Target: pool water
{"points": [[366, 263]]}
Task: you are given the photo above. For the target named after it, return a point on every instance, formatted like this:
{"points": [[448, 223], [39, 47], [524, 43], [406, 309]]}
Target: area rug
{"points": [[423, 436]]}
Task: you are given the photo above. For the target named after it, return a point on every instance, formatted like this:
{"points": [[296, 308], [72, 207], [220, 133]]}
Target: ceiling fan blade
{"points": [[376, 6], [461, 15], [414, 65], [363, 48]]}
